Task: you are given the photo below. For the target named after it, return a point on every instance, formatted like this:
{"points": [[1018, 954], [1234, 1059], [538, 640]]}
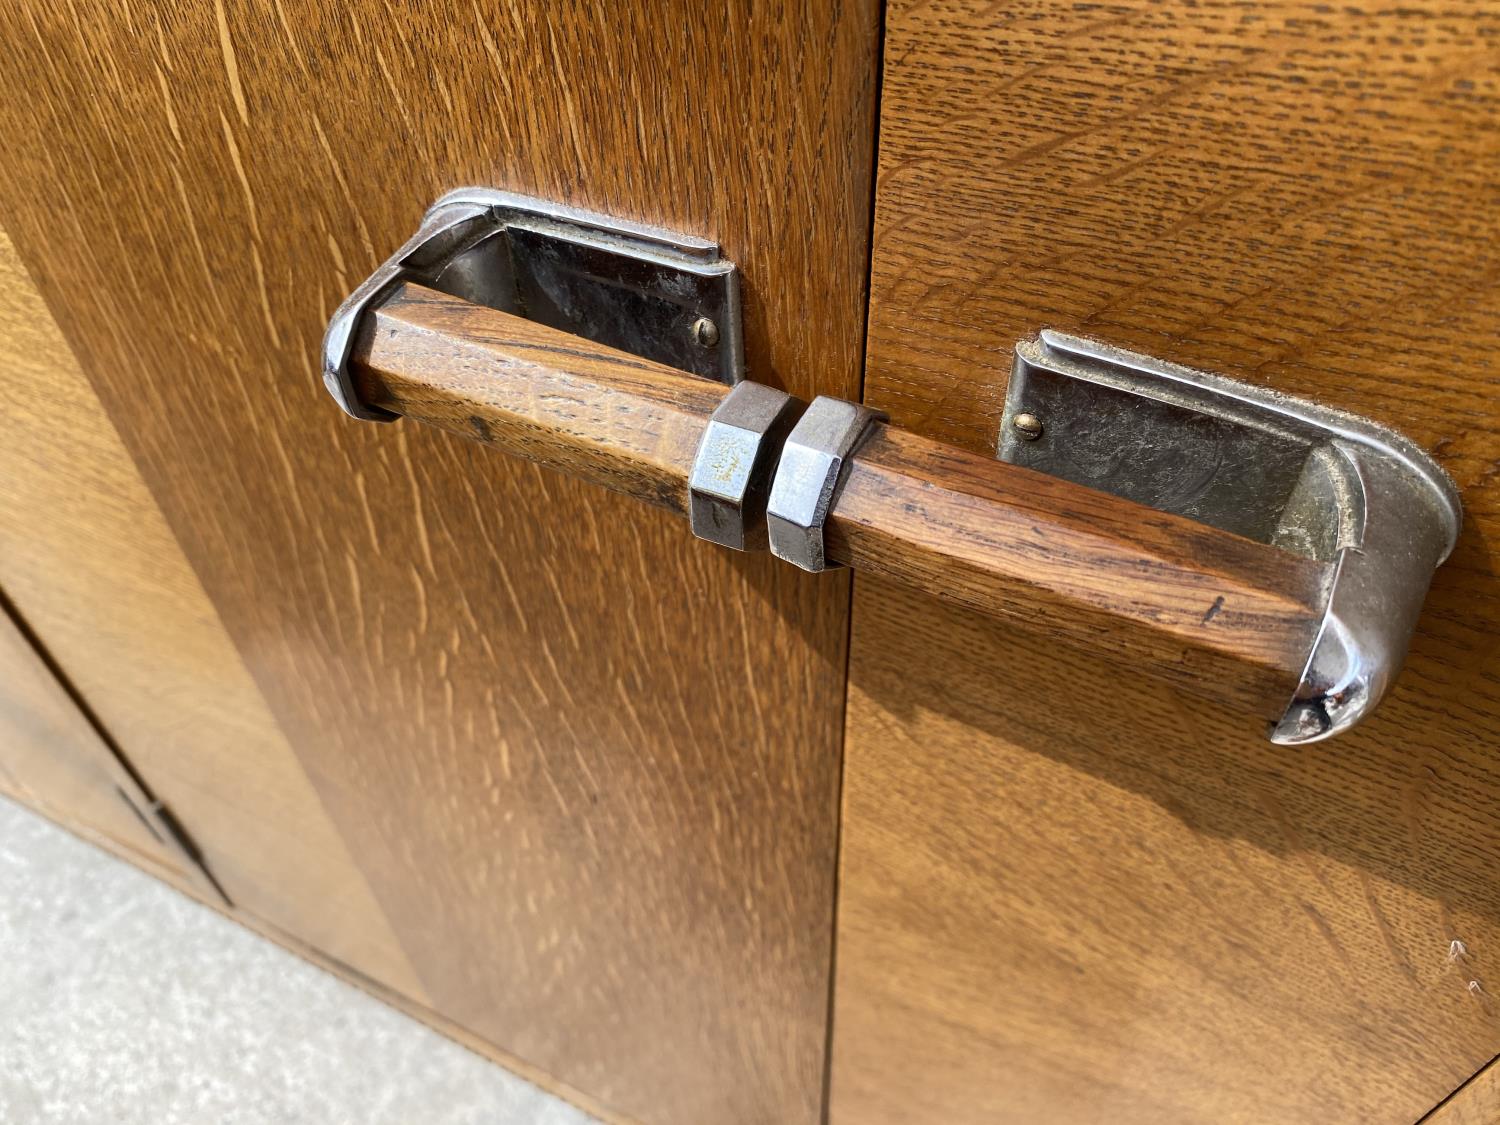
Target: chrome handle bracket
{"points": [[666, 297], [1302, 477]]}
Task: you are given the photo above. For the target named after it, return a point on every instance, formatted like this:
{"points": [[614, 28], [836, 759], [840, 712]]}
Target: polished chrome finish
{"points": [[731, 477], [808, 477], [446, 229], [1402, 525], [1302, 477], [641, 289]]}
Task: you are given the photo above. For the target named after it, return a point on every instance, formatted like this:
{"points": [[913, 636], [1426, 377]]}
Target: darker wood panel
{"points": [[587, 763], [52, 757], [1069, 895]]}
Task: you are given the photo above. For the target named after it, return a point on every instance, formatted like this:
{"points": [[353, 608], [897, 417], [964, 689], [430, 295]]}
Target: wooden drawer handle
{"points": [[1222, 616]]}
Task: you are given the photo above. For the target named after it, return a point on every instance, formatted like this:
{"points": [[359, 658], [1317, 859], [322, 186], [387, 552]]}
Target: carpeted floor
{"points": [[124, 1003]]}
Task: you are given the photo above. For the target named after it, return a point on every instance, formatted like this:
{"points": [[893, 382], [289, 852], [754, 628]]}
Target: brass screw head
{"points": [[1028, 426], [705, 332]]}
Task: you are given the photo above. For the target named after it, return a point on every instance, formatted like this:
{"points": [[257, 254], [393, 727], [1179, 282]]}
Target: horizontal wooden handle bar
{"points": [[1222, 616], [610, 418]]}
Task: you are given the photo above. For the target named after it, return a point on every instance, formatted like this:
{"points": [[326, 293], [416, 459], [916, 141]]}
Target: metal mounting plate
{"points": [[1302, 477], [663, 296]]}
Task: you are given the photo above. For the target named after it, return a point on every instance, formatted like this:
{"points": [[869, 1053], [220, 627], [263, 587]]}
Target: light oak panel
{"points": [[341, 969], [1069, 895], [90, 563], [587, 763]]}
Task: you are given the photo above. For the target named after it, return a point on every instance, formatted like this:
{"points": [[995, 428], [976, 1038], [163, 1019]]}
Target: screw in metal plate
{"points": [[705, 332], [1028, 426]]}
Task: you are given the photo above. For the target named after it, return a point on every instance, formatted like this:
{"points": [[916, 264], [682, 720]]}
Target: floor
{"points": [[122, 1001]]}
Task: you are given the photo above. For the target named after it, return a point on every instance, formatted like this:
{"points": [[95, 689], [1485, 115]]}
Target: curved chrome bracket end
{"points": [[1407, 520], [441, 235], [664, 296], [1305, 478]]}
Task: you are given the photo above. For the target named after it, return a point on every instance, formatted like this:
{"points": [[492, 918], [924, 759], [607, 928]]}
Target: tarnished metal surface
{"points": [[808, 476], [663, 296], [731, 477], [1304, 478], [446, 228]]}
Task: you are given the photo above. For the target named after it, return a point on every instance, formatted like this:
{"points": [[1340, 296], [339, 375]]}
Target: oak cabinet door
{"points": [[586, 766], [1070, 894]]}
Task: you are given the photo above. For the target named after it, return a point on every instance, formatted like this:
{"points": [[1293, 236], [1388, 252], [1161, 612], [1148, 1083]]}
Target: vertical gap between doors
{"points": [[843, 742]]}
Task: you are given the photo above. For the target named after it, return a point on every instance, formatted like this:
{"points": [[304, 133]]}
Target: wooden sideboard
{"points": [[685, 834]]}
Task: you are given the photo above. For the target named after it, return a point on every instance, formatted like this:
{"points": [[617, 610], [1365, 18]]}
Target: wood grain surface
{"points": [[587, 764], [1223, 617], [51, 757], [89, 562], [1227, 618], [597, 415], [1070, 895], [319, 957]]}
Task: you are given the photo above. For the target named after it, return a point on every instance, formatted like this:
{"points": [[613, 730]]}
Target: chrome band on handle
{"points": [[808, 477], [731, 477]]}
